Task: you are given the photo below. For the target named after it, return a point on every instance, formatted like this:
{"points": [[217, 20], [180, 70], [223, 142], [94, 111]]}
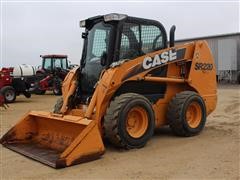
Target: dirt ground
{"points": [[214, 154]]}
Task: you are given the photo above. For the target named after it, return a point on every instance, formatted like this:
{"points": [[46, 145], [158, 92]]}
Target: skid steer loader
{"points": [[130, 82]]}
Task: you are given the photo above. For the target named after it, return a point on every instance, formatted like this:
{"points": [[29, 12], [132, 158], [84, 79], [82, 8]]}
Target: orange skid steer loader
{"points": [[130, 82]]}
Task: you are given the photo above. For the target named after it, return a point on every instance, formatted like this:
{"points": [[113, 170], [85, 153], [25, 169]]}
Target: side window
{"points": [[124, 46], [47, 63], [64, 63], [151, 37], [129, 47], [99, 42], [137, 40]]}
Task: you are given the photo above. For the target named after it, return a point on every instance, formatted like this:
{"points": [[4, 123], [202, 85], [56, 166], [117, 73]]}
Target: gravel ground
{"points": [[214, 154]]}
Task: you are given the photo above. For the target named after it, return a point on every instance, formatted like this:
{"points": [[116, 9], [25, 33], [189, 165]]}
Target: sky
{"points": [[30, 29]]}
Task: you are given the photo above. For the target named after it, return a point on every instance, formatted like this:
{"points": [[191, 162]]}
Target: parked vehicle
{"points": [[15, 81], [51, 74], [130, 83]]}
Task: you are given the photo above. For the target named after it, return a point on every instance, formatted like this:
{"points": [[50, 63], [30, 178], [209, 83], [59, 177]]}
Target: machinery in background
{"points": [[51, 74], [15, 81]]}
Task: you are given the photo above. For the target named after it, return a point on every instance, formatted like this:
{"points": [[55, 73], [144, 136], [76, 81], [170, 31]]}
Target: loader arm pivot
{"points": [[68, 88]]}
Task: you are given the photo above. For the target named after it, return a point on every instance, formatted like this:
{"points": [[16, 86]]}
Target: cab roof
{"points": [[53, 56], [115, 17]]}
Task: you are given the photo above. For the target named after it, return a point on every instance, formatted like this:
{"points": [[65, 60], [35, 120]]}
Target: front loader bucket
{"points": [[55, 140]]}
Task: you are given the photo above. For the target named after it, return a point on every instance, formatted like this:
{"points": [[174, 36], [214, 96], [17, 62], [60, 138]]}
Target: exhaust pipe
{"points": [[172, 36]]}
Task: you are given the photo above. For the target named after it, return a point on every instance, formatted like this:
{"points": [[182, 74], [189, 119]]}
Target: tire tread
{"points": [[174, 113], [112, 116]]}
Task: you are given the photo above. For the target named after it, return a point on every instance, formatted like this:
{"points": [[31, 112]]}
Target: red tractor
{"points": [[12, 86], [53, 71]]}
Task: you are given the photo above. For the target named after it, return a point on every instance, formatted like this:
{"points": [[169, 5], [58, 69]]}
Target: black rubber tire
{"points": [[176, 113], [115, 121], [5, 91], [39, 91], [58, 106], [27, 94], [57, 87]]}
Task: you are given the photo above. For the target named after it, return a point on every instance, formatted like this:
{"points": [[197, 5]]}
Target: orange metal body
{"points": [[201, 81], [75, 135]]}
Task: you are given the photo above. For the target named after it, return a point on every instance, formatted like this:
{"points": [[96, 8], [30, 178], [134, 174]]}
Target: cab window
{"points": [[47, 63], [57, 63], [151, 37], [129, 46], [64, 63], [137, 40], [98, 40]]}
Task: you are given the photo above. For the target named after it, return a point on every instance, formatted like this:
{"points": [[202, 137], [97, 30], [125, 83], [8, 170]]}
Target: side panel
{"points": [[202, 75], [174, 70], [200, 78], [132, 70]]}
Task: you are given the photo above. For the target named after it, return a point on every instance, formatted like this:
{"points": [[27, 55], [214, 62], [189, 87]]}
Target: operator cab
{"points": [[52, 62], [113, 38]]}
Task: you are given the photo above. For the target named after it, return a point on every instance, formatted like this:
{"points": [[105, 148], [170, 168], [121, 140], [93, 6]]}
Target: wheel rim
{"points": [[9, 95], [194, 114], [137, 122]]}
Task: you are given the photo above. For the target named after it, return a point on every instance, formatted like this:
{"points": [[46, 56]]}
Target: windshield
{"points": [[60, 63], [57, 63], [97, 42]]}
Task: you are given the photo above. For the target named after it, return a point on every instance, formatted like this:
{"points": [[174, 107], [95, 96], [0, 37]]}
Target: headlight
{"points": [[114, 17], [82, 23]]}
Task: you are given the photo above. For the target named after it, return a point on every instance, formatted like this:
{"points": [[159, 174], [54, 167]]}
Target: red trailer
{"points": [[11, 86]]}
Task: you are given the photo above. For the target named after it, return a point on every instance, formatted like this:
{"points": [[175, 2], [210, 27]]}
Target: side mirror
{"points": [[103, 59], [172, 36]]}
